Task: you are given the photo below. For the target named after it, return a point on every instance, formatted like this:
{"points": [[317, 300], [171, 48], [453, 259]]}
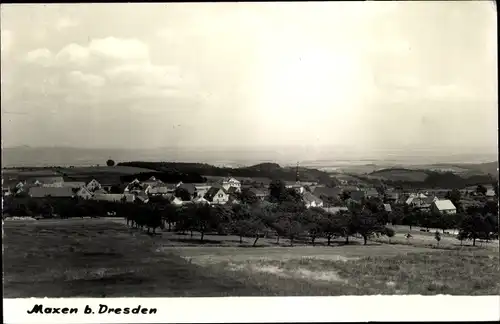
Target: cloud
{"points": [[41, 56], [64, 23], [79, 77], [6, 41]]}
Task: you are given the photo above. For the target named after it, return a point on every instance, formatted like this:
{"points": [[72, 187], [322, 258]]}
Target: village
{"points": [[231, 190]]}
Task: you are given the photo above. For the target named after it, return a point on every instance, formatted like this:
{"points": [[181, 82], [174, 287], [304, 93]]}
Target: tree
{"points": [[110, 163], [248, 197], [480, 189], [389, 232], [183, 194], [312, 220], [455, 197], [332, 225], [437, 237], [366, 224], [475, 227], [276, 190], [495, 188]]}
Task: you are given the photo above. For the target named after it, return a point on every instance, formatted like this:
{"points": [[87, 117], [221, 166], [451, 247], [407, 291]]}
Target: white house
{"points": [[443, 206], [311, 200], [231, 183], [217, 195], [84, 193], [93, 185], [297, 186]]}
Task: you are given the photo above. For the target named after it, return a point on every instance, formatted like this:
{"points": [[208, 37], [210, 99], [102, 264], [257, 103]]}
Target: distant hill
{"points": [[262, 170], [400, 174], [429, 179]]}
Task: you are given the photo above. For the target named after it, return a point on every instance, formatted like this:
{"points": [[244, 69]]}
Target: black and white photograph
{"points": [[266, 149]]}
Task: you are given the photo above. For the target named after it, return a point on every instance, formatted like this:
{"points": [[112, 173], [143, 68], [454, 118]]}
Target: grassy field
{"points": [[104, 258]]}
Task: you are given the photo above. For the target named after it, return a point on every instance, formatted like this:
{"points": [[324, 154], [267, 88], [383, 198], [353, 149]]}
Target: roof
{"points": [[39, 192], [74, 184], [372, 192], [200, 200], [357, 195], [189, 187], [46, 180], [230, 179], [160, 190], [327, 191], [444, 204], [387, 208], [310, 198], [114, 197], [232, 190], [100, 191], [212, 192], [257, 192], [335, 210]]}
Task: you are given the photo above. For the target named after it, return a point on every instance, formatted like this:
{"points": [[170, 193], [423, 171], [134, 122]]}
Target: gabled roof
{"points": [[100, 191], [258, 192], [39, 192], [189, 187], [308, 197], [444, 204], [327, 191], [387, 208], [212, 192]]}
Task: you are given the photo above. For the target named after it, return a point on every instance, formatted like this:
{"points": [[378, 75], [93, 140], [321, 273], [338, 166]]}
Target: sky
{"points": [[367, 76]]}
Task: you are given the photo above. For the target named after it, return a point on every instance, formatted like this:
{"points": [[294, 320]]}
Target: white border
{"points": [[264, 309]]}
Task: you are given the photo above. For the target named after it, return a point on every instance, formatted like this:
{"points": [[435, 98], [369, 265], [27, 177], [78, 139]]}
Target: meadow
{"points": [[104, 258]]}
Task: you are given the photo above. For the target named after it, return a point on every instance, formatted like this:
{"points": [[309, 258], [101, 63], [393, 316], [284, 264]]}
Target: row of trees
{"points": [[284, 217]]}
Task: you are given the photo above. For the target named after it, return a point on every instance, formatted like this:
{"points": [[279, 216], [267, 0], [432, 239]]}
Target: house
{"points": [[93, 185], [490, 193], [177, 201], [443, 206], [189, 187], [260, 194], [335, 210], [46, 181], [74, 184], [162, 190], [217, 195], [231, 183], [59, 192], [297, 186], [391, 196], [153, 182], [141, 196], [387, 208], [327, 192], [357, 196], [201, 189], [311, 200], [200, 200], [371, 193], [84, 193], [100, 191], [114, 197]]}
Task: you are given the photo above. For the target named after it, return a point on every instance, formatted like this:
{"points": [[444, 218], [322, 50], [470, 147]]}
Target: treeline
{"points": [[263, 170], [165, 176], [439, 180]]}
